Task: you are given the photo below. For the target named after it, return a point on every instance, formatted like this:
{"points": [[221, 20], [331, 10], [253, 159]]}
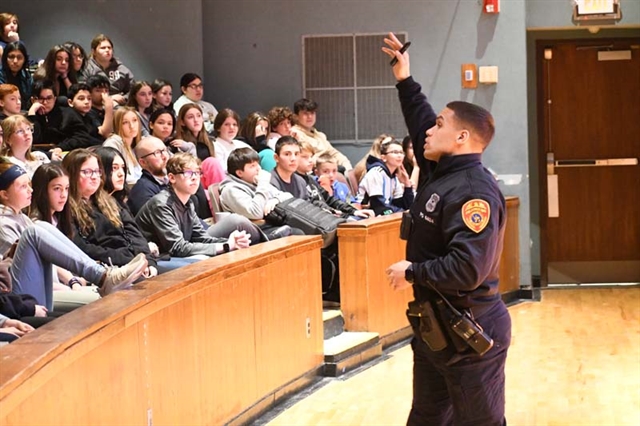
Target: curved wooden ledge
{"points": [[198, 345]]}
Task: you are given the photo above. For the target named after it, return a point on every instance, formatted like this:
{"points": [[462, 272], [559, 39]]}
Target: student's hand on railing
{"points": [[16, 327], [366, 213], [150, 272], [239, 240]]}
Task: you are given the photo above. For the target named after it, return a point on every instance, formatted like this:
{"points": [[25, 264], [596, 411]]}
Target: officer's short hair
{"points": [[479, 120], [238, 158]]}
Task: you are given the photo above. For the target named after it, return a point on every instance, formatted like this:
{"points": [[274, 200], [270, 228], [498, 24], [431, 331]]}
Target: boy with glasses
{"points": [[169, 218], [386, 186]]}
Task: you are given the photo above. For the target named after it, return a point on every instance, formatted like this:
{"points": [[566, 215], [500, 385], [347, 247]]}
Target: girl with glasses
{"points": [[102, 228], [192, 89], [18, 138], [386, 186]]}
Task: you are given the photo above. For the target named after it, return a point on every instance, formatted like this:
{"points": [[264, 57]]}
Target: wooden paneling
{"points": [[194, 346], [510, 258], [368, 247]]}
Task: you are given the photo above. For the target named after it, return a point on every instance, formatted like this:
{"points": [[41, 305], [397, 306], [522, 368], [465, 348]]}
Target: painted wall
{"points": [[256, 63], [155, 39]]}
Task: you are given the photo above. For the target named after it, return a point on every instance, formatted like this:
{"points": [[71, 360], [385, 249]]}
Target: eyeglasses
{"points": [[395, 152], [190, 174], [47, 99], [23, 132], [196, 86], [89, 173], [158, 153], [15, 57]]}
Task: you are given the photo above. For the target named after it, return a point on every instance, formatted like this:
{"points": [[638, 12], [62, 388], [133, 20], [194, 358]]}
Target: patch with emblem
{"points": [[432, 203], [476, 214]]}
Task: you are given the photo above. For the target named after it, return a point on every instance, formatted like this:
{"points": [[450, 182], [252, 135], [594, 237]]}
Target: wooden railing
{"points": [[368, 247], [205, 344]]}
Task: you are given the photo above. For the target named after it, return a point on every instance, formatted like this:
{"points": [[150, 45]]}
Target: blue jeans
{"points": [[468, 392], [39, 248], [174, 263]]}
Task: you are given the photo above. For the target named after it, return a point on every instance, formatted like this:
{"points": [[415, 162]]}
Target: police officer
{"points": [[453, 250]]}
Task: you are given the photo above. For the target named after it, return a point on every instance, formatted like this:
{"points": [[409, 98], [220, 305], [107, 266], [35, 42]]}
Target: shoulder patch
{"points": [[476, 214]]}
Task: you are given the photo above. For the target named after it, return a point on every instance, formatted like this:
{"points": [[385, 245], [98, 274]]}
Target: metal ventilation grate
{"points": [[350, 79]]}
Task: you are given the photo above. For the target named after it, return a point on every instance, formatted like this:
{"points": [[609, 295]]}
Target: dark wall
{"points": [[153, 38]]}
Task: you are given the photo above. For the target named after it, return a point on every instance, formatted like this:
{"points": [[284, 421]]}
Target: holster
{"points": [[426, 326]]}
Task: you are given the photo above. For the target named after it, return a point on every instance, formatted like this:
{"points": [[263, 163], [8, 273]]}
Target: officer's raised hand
{"points": [[401, 69]]}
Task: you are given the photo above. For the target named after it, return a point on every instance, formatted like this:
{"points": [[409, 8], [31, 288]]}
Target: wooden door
{"points": [[589, 102]]}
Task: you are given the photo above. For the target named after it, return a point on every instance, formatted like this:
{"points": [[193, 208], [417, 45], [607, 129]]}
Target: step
{"points": [[350, 350], [333, 322]]}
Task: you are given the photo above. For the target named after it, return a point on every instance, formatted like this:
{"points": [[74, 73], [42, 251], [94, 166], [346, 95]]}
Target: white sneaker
{"points": [[121, 277]]}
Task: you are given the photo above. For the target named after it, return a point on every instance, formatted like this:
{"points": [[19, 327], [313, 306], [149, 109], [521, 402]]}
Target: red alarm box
{"points": [[491, 6]]}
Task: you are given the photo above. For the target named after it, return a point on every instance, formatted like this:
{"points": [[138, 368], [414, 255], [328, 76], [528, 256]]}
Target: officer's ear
{"points": [[463, 137]]}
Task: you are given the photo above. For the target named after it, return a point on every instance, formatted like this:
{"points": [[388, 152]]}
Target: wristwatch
{"points": [[408, 274], [226, 248]]}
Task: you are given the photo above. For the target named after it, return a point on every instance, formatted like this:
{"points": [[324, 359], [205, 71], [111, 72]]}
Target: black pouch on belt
{"points": [[426, 324]]}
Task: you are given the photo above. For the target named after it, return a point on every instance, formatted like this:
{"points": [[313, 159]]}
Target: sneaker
{"points": [[121, 277]]}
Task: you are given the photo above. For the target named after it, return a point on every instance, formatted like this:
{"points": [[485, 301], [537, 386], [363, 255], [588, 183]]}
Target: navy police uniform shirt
{"points": [[459, 216]]}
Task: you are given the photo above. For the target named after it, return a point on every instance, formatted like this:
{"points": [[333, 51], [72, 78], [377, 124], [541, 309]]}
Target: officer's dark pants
{"points": [[468, 392]]}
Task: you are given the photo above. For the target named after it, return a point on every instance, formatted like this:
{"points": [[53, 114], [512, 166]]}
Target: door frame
{"points": [[537, 142]]}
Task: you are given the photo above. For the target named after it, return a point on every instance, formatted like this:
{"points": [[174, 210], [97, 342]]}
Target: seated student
{"points": [[162, 124], [101, 227], [162, 95], [253, 131], [281, 119], [247, 191], [35, 248], [50, 185], [18, 138], [125, 137], [361, 167], [80, 101], [226, 126], [305, 115], [321, 197], [10, 101], [101, 113], [57, 68], [15, 70], [190, 128], [386, 186], [115, 174], [79, 59], [153, 157], [8, 29], [104, 63], [326, 170], [170, 221], [140, 99], [192, 89], [61, 127], [284, 176]]}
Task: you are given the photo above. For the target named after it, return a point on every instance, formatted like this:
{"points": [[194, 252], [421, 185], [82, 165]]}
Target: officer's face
{"points": [[441, 138]]}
